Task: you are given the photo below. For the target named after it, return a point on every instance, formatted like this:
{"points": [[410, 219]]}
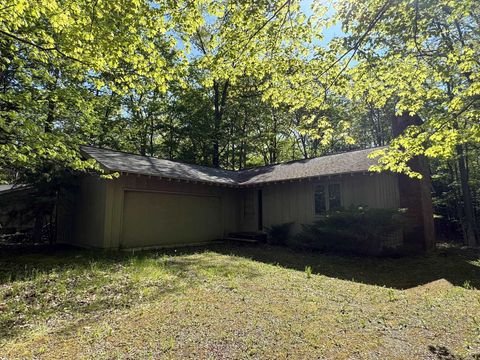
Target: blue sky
{"points": [[331, 32], [306, 6]]}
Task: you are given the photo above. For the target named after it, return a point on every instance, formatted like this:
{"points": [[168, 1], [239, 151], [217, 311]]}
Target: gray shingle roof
{"points": [[146, 165], [12, 187], [348, 162], [343, 163], [6, 187]]}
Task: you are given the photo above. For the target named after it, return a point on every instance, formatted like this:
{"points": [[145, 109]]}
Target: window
{"points": [[334, 197], [327, 197], [319, 199]]}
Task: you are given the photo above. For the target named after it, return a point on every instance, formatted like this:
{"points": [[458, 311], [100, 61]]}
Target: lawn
{"points": [[238, 301]]}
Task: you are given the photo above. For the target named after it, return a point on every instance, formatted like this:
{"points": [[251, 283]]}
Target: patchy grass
{"points": [[236, 301]]}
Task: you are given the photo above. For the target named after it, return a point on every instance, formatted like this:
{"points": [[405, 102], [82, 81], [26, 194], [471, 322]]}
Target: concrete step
{"points": [[247, 236], [252, 241]]}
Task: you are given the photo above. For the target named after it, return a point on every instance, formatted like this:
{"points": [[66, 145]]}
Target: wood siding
{"points": [[99, 206], [168, 219], [81, 213], [294, 202], [225, 219]]}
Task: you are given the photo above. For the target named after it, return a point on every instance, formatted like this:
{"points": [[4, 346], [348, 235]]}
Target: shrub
{"points": [[279, 234], [359, 230]]}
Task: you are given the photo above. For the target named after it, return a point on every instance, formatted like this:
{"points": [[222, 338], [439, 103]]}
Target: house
{"points": [[16, 214], [155, 202]]}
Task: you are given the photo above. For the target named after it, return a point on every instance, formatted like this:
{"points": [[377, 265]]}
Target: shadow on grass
{"points": [[443, 353], [68, 285], [458, 266], [39, 284], [24, 263]]}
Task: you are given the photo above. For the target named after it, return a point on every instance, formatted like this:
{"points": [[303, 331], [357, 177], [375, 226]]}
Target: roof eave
{"points": [[307, 178], [178, 179], [245, 184]]}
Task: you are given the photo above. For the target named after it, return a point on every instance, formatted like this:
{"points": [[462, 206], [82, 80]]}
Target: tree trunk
{"points": [[469, 223], [303, 139], [274, 150], [50, 114], [152, 133], [242, 156], [219, 100], [38, 226], [170, 138]]}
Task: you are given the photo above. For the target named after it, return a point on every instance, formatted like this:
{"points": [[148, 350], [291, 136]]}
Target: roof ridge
{"points": [[338, 163], [240, 170]]}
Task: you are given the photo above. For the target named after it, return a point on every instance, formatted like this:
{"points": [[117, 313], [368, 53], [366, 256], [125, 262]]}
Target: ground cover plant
{"points": [[230, 301]]}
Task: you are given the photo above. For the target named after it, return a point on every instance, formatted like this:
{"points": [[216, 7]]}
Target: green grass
{"points": [[238, 302]]}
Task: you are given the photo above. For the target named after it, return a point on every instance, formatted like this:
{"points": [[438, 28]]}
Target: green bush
{"points": [[358, 230], [279, 234]]}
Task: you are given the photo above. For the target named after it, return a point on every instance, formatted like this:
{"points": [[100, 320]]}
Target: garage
{"points": [[163, 219]]}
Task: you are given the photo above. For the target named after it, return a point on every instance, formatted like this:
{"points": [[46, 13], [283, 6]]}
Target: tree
{"points": [[57, 55], [423, 56], [241, 83], [251, 39]]}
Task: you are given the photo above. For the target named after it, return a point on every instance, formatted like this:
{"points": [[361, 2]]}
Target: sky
{"points": [[306, 6], [329, 33]]}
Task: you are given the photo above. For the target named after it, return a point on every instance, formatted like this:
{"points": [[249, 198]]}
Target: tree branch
{"points": [[357, 44], [43, 48]]}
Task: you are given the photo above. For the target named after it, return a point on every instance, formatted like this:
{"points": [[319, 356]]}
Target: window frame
{"points": [[329, 200], [315, 199], [326, 197]]}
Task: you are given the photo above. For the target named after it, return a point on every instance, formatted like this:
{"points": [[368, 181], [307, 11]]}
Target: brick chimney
{"points": [[415, 195]]}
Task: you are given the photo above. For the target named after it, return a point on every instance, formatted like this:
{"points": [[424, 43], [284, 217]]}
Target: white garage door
{"points": [[157, 219]]}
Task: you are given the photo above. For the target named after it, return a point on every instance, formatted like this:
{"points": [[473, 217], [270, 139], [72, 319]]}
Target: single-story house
{"points": [[156, 202], [16, 214]]}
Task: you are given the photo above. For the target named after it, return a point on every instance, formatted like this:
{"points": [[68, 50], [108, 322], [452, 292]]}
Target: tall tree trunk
{"points": [[273, 151], [104, 126], [143, 139], [38, 226], [232, 139], [50, 114], [303, 139], [242, 156], [152, 133], [170, 138], [469, 223], [219, 100], [458, 214]]}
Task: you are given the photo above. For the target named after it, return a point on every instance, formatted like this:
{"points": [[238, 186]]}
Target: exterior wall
{"points": [[115, 202], [247, 209], [419, 233], [16, 211], [97, 208], [169, 219], [81, 213], [294, 202], [415, 195]]}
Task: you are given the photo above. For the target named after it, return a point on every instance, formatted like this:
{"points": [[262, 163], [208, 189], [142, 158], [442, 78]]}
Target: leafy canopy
{"points": [[423, 56], [68, 66]]}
